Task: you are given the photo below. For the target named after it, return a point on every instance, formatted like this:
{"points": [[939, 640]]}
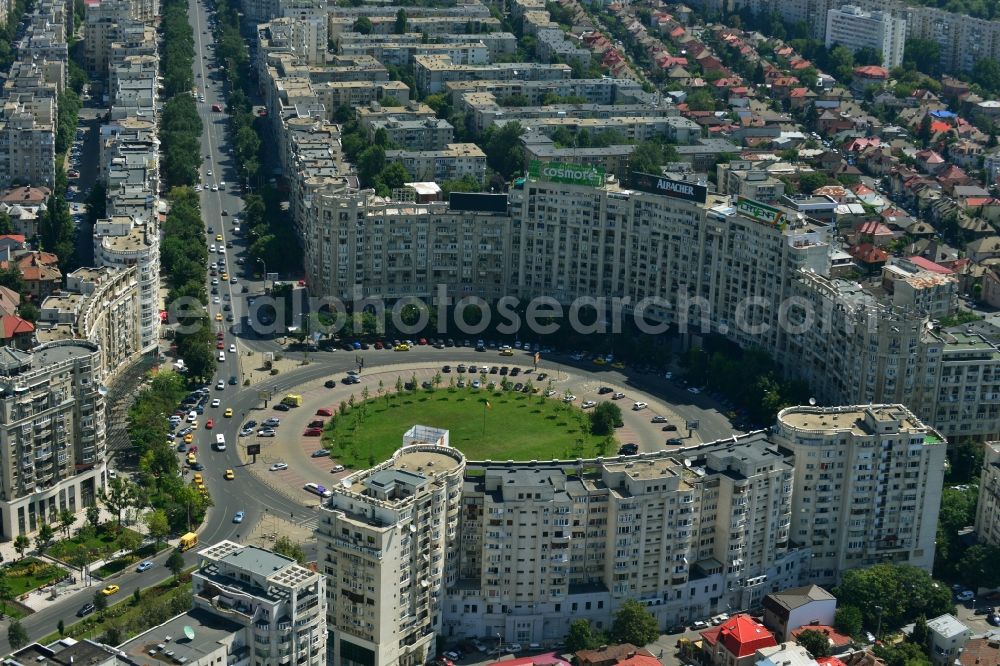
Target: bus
{"points": [[188, 541], [220, 442]]}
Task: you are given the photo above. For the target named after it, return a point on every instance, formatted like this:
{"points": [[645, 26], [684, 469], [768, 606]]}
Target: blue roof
{"points": [[944, 113]]}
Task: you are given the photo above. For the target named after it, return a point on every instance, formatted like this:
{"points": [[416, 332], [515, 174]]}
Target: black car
{"points": [[504, 370], [674, 441], [670, 427], [542, 376], [518, 386], [182, 447], [446, 369], [628, 449], [198, 467], [410, 386], [282, 407], [86, 610], [249, 424], [330, 383], [461, 368], [494, 369], [604, 390], [449, 343], [426, 385], [514, 372]]}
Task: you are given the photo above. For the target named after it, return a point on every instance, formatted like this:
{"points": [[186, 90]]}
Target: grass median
{"points": [[512, 426]]}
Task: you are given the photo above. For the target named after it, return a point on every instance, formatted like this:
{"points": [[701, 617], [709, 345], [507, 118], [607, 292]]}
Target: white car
{"points": [[475, 383], [588, 404], [550, 393], [232, 349], [216, 402], [618, 396], [965, 595], [211, 248], [215, 188], [216, 300], [337, 468], [222, 185], [639, 406], [569, 397], [278, 466], [694, 389], [208, 173], [222, 357], [220, 385]]}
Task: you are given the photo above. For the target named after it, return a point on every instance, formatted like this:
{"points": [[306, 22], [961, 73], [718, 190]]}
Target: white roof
{"points": [[946, 626]]}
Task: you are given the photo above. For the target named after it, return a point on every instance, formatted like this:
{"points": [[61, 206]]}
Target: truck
{"points": [[220, 442], [292, 400], [188, 541]]}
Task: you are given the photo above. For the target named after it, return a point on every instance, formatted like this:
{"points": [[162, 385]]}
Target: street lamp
{"points": [[499, 645], [262, 263]]}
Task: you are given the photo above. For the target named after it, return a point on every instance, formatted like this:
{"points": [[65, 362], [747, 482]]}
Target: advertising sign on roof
{"points": [[679, 189], [760, 212], [571, 174]]}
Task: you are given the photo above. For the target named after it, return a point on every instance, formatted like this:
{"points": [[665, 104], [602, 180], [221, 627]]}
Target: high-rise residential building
{"points": [[385, 541], [310, 28], [988, 508], [427, 544], [855, 28], [867, 486], [27, 140], [52, 426], [280, 604], [122, 241]]}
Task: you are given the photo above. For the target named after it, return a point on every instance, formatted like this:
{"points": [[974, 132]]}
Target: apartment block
{"points": [[100, 305], [593, 91], [394, 249], [916, 288], [553, 45], [122, 241], [280, 607], [434, 26], [399, 50], [613, 159], [988, 508], [52, 429], [412, 134], [310, 28], [433, 71], [453, 162], [674, 129], [963, 39], [855, 28], [385, 545], [868, 486], [741, 178], [27, 140]]}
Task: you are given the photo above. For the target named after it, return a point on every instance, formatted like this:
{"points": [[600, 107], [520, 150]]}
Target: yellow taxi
{"points": [[218, 238], [218, 316], [228, 413], [599, 361], [506, 351], [230, 475], [191, 459], [189, 438], [197, 478], [202, 489], [618, 365], [109, 590], [402, 347], [225, 277]]}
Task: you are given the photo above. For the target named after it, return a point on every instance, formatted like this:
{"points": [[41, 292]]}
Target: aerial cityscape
{"points": [[467, 332]]}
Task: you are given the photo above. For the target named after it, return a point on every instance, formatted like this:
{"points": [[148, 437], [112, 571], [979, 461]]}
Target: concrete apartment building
{"points": [[122, 242], [593, 91], [27, 140], [433, 71], [674, 129], [281, 607], [412, 134], [52, 423], [988, 508], [385, 541], [868, 486], [917, 288], [310, 28], [453, 162], [613, 159], [100, 305], [399, 50], [855, 28], [740, 178]]}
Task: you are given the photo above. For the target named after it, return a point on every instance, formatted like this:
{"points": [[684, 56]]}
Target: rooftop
{"points": [[167, 645]]}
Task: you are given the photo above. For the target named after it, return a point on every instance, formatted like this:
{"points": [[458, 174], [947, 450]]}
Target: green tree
{"points": [[922, 54], [288, 548], [986, 72], [11, 278], [634, 624], [100, 602], [581, 636], [847, 620], [921, 634], [371, 161], [17, 636], [965, 460], [6, 591], [901, 654], [816, 642], [61, 627], [175, 563], [158, 525], [978, 566], [400, 26], [93, 514], [66, 520], [21, 544], [605, 418], [701, 99], [44, 537], [650, 156], [902, 591], [363, 25], [119, 495], [504, 152], [810, 182]]}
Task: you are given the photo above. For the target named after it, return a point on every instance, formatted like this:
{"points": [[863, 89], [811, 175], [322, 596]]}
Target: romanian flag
{"points": [[488, 405]]}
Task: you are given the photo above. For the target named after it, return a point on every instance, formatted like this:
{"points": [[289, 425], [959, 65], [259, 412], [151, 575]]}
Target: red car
{"points": [[422, 341], [192, 449], [220, 335], [220, 345], [378, 344], [323, 411], [209, 424], [313, 432]]}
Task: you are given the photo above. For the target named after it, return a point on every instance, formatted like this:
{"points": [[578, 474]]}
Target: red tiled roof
{"points": [[868, 253], [981, 201], [873, 228], [929, 265], [17, 238], [12, 325], [836, 638], [939, 126], [741, 636], [830, 661], [872, 72]]}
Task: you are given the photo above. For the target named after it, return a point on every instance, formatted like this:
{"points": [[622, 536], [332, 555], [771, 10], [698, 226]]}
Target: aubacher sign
{"points": [[572, 174]]}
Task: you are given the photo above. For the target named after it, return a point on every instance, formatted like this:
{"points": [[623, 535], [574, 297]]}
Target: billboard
{"points": [[755, 210], [478, 202], [678, 189], [253, 449], [570, 174]]}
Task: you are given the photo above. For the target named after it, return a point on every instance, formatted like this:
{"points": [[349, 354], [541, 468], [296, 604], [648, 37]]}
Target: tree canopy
{"points": [[902, 592], [634, 624]]}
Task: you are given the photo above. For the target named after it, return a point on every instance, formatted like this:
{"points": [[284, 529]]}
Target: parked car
{"points": [[86, 610], [278, 466], [148, 564], [320, 453]]}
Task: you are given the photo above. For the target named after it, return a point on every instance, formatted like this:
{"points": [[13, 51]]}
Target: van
{"points": [[188, 541], [220, 442], [292, 400]]}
